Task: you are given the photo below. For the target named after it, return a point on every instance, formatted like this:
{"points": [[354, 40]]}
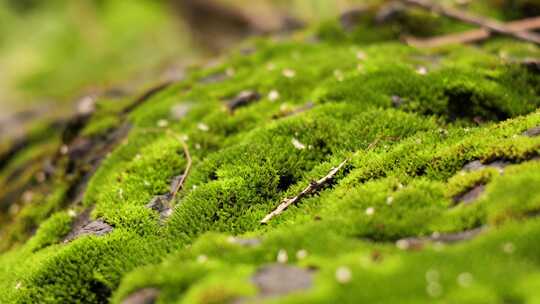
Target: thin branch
{"points": [[180, 183], [313, 187], [487, 23], [473, 35]]}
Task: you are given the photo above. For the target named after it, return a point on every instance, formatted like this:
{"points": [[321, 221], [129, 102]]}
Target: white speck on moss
{"points": [[27, 196], [432, 275], [339, 75], [72, 213], [343, 274], [361, 55], [422, 70], [289, 73], [370, 211], [301, 254], [508, 248], [203, 127], [41, 177], [465, 279], [434, 289], [273, 95], [64, 149], [162, 123], [86, 105], [230, 72], [18, 285], [297, 144], [146, 183], [270, 66], [201, 259], [402, 244], [282, 256], [198, 146], [389, 200], [179, 111]]}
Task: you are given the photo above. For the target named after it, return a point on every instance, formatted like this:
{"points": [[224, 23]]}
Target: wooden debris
{"points": [[491, 25], [245, 242], [286, 111], [277, 280], [313, 187], [473, 35], [390, 11], [397, 101], [82, 225], [217, 25], [142, 296], [242, 99], [179, 183], [214, 78], [161, 204], [179, 111], [351, 18], [470, 195], [417, 243], [476, 165], [532, 132], [532, 64]]}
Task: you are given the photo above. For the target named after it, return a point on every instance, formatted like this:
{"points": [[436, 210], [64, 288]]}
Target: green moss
{"points": [[406, 132], [461, 183]]}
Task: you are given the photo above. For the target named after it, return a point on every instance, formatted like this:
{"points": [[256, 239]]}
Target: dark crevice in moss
{"points": [[146, 96]]}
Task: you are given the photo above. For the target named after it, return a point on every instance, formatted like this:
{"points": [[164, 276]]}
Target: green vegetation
{"points": [[73, 47], [408, 120]]}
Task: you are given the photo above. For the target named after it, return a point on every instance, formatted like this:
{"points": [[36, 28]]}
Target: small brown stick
{"points": [[487, 23], [180, 183], [473, 35], [311, 188], [373, 144]]}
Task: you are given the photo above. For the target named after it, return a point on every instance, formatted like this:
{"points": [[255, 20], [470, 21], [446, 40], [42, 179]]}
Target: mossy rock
{"points": [[391, 226]]}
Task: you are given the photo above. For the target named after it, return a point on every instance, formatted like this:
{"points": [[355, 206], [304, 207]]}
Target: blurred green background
{"points": [[51, 51], [57, 50]]}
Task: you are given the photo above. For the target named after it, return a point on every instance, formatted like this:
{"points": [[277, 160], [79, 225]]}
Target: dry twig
{"points": [[311, 188], [180, 183], [473, 35], [487, 23]]}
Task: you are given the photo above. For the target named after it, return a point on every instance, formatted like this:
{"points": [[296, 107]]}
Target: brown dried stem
{"points": [[487, 23], [313, 187], [180, 184], [182, 180], [473, 35]]}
